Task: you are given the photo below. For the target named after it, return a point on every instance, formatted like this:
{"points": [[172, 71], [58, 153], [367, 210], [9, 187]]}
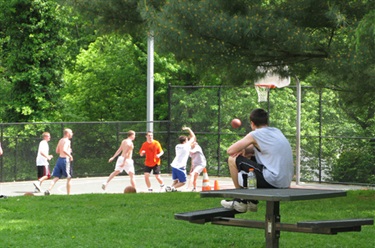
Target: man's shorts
{"points": [[62, 168], [179, 174], [198, 169], [243, 165], [128, 166], [43, 170], [155, 169]]}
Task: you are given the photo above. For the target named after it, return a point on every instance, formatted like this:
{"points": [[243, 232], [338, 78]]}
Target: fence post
{"points": [[219, 132], [1, 157]]}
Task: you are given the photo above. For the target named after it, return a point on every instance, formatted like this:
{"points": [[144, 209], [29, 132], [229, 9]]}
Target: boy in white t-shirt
{"points": [[42, 161], [180, 161]]}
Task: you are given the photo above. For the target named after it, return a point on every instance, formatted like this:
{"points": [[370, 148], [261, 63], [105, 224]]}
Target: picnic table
{"points": [[272, 224]]}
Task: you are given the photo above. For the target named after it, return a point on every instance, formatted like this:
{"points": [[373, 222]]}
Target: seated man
{"points": [[273, 165]]}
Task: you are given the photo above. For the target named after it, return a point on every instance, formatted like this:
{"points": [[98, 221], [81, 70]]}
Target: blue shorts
{"points": [[179, 174], [62, 168]]}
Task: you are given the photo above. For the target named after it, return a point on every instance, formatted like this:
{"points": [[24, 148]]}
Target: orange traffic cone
{"points": [[206, 182], [216, 185]]}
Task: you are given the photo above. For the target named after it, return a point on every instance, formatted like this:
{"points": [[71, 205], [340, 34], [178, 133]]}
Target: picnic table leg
{"points": [[272, 217]]}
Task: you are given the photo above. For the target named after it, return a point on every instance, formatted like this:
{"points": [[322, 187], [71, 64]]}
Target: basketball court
{"points": [[92, 185]]}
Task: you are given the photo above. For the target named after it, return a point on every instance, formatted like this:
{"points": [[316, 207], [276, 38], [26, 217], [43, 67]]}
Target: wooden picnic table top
{"points": [[275, 195]]}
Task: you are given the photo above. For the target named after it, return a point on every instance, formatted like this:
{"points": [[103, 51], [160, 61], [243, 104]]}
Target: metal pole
{"points": [[298, 135], [219, 131], [150, 82], [320, 135]]}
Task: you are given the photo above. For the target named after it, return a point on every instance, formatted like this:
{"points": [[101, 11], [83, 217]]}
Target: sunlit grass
{"points": [[147, 220]]}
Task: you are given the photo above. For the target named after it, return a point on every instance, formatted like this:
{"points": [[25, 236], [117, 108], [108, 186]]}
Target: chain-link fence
{"points": [[93, 143], [332, 147]]}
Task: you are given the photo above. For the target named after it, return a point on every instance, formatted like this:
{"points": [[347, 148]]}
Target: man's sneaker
{"points": [[37, 187], [194, 190], [150, 190], [252, 207], [236, 205], [47, 192], [103, 186], [173, 189]]}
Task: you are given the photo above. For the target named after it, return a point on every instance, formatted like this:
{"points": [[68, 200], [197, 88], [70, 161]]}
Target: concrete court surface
{"points": [[92, 185]]}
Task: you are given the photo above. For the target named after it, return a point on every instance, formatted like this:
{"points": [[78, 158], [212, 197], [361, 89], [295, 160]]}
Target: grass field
{"points": [[147, 220]]}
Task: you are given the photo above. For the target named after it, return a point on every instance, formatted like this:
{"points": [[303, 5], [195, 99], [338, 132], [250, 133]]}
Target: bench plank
{"points": [[336, 226], [336, 223], [206, 215]]}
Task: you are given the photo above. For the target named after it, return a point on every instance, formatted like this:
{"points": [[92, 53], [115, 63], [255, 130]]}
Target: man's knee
{"points": [[232, 162]]}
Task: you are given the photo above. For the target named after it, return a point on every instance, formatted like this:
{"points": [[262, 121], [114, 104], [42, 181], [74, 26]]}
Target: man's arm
{"points": [[161, 151], [192, 137], [142, 151], [43, 148], [119, 150], [239, 147]]}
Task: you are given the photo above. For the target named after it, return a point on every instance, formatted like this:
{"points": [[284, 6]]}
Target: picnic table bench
{"points": [[272, 224]]}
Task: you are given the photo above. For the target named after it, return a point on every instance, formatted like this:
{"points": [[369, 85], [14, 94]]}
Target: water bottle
{"points": [[251, 179]]}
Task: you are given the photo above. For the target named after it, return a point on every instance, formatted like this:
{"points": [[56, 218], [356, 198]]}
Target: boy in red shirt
{"points": [[153, 151]]}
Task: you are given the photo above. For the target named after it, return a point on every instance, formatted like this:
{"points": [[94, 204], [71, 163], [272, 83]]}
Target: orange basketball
{"points": [[236, 123], [130, 189]]}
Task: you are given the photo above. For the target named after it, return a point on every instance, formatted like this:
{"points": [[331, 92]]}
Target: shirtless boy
{"points": [[63, 163], [125, 161]]}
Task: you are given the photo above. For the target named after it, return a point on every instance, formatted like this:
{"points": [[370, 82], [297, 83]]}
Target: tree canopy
{"points": [[32, 35], [325, 43]]}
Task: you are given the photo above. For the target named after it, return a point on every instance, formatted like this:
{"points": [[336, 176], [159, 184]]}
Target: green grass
{"points": [[147, 220]]}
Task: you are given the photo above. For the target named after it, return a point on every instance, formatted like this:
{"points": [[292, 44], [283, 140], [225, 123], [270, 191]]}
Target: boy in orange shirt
{"points": [[153, 151]]}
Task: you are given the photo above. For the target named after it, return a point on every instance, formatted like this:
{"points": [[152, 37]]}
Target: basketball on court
{"points": [[130, 189], [236, 123]]}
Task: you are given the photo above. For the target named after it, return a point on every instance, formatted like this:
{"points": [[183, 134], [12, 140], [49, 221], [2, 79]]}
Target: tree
{"points": [[32, 39], [330, 40], [108, 82]]}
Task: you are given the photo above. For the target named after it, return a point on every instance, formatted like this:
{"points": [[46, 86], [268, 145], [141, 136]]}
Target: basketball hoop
{"points": [[269, 81], [263, 91]]}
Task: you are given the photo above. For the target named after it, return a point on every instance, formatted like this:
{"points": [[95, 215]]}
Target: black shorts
{"points": [[43, 171], [155, 169], [244, 164]]}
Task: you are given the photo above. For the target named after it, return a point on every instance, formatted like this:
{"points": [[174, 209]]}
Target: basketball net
{"points": [[263, 91], [269, 81]]}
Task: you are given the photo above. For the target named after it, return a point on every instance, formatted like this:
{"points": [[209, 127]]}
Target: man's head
{"points": [[259, 117], [68, 133], [46, 136], [131, 134], [183, 139], [149, 136]]}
